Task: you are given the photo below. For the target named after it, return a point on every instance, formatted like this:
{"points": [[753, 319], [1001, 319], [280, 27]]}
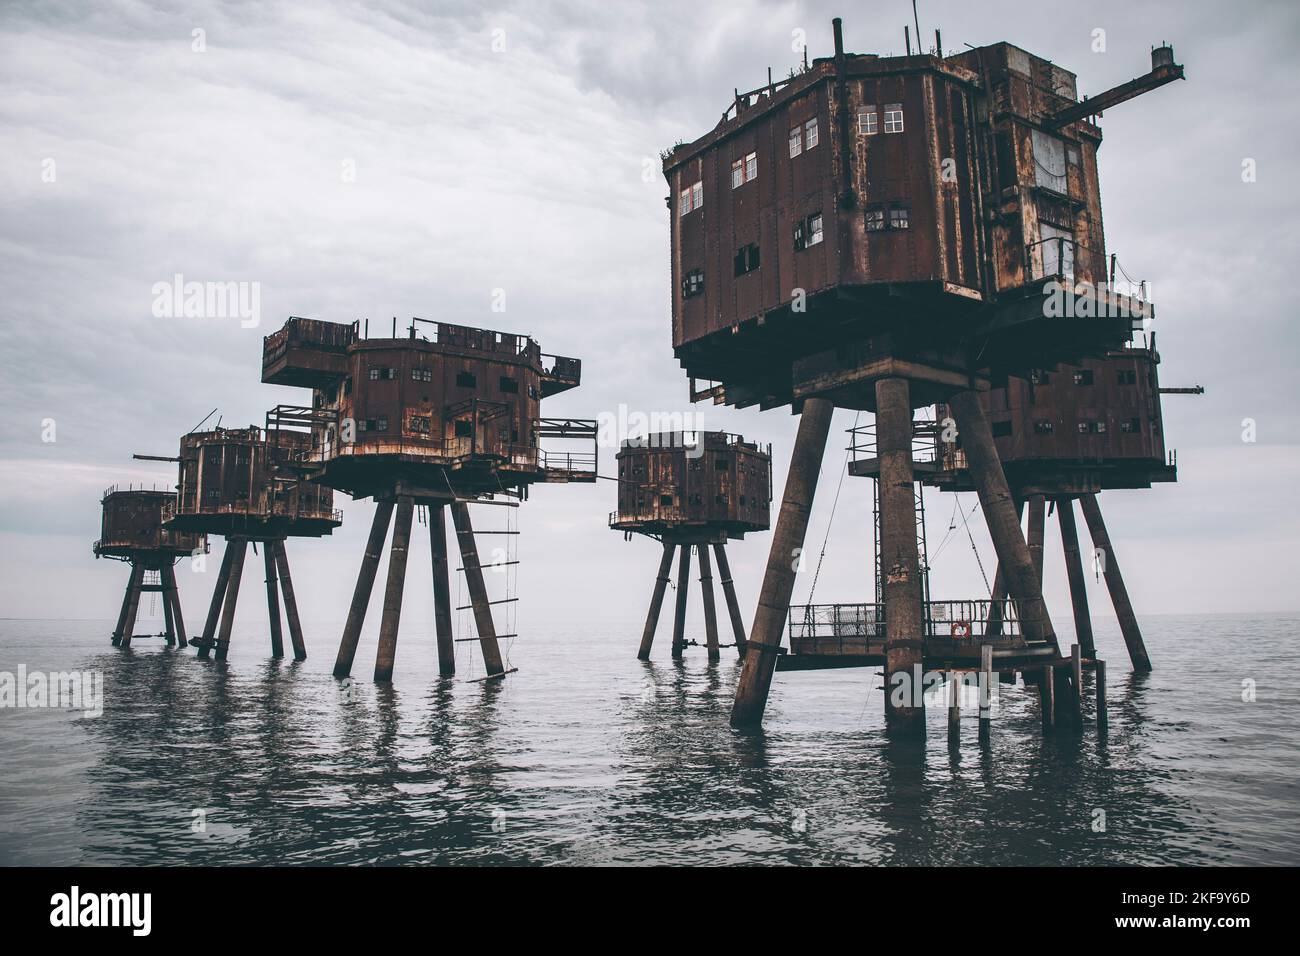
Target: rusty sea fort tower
{"points": [[442, 416], [884, 234], [695, 491]]}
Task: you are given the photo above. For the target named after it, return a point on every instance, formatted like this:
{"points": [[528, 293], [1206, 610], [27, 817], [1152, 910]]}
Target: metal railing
{"points": [[648, 515], [926, 435], [849, 628], [561, 366], [572, 462]]}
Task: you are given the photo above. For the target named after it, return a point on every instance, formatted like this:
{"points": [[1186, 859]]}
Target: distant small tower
{"points": [[693, 490], [131, 530], [236, 482], [442, 416]]}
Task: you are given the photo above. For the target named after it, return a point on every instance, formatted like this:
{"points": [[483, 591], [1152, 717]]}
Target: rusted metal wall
{"points": [[444, 400], [132, 521]]}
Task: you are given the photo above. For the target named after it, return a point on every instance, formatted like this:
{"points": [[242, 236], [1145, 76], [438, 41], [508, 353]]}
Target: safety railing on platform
{"points": [[926, 438], [848, 628]]}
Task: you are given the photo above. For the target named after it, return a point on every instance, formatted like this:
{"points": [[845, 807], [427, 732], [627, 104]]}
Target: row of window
{"points": [[888, 216], [691, 199], [1087, 427], [744, 170], [666, 501], [423, 424], [463, 379], [803, 137], [1084, 376], [808, 232], [695, 464], [868, 119]]}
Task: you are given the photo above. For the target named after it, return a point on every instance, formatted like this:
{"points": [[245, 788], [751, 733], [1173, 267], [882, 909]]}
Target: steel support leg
{"points": [[729, 592], [1074, 572], [442, 590], [1128, 623], [273, 599], [178, 616], [782, 561], [208, 638], [393, 590], [240, 548], [710, 609], [683, 588], [126, 606], [656, 601], [133, 604], [483, 623], [1034, 538], [290, 602], [361, 593], [900, 560]]}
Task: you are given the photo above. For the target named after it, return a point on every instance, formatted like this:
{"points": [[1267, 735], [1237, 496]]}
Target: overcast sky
{"points": [[533, 168]]}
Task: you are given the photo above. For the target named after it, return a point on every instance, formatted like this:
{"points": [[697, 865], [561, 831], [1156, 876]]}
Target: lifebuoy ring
{"points": [[960, 629]]}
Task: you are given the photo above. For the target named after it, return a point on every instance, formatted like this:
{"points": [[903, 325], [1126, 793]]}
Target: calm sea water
{"points": [[588, 756]]}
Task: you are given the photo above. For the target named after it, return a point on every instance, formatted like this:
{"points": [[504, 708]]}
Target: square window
{"points": [[894, 118], [466, 380], [1130, 425], [666, 501], [1001, 429], [381, 423], [693, 284], [898, 217], [464, 428], [719, 464], [374, 374], [1127, 377], [867, 121], [1039, 377], [1043, 428], [810, 133], [875, 218], [796, 141], [1083, 376], [746, 259], [509, 385]]}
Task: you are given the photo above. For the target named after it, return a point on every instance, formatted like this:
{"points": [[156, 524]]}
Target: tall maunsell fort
{"points": [[882, 234]]}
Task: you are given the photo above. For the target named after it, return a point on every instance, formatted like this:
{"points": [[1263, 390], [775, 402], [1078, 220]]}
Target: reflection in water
{"points": [[590, 756]]}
